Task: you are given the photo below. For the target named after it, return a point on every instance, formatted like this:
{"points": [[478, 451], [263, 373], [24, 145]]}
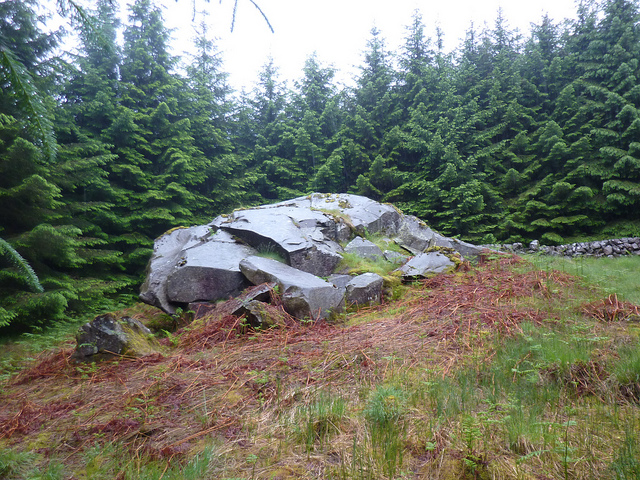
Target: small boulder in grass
{"points": [[425, 265], [107, 336], [364, 248]]}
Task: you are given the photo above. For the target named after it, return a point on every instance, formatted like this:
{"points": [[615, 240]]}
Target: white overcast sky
{"points": [[337, 30]]}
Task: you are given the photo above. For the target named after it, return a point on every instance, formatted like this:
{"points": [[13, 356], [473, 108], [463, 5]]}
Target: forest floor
{"points": [[509, 369]]}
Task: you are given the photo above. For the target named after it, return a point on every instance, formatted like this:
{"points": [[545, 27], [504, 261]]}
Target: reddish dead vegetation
{"points": [[51, 366], [222, 370], [583, 378], [611, 309], [483, 297]]}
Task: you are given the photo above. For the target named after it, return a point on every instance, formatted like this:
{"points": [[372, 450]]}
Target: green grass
{"points": [[384, 414], [270, 251], [609, 275], [113, 461], [627, 463], [317, 421], [14, 465]]}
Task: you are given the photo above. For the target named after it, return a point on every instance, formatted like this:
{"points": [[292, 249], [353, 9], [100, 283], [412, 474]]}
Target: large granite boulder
{"points": [[203, 263], [209, 271], [167, 252], [303, 294]]}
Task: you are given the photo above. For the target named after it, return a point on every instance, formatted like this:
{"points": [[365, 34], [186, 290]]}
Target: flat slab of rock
{"points": [[425, 265], [363, 248], [295, 233], [208, 271], [303, 294]]}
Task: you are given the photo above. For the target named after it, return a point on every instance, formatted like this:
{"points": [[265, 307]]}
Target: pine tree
{"points": [[314, 108], [23, 49]]}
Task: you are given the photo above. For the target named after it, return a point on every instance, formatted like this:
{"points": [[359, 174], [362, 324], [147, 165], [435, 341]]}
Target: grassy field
{"points": [[511, 369]]}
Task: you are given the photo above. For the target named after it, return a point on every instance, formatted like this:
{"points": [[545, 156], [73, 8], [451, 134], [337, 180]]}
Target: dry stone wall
{"points": [[602, 248]]}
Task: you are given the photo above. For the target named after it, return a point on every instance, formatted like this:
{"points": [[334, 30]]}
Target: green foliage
{"points": [[627, 466], [16, 466], [384, 414], [316, 422], [357, 265], [110, 460], [10, 255]]}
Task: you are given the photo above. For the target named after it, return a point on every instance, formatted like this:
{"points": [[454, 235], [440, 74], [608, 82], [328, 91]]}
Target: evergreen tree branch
{"points": [[235, 8], [29, 99], [10, 253], [75, 11]]}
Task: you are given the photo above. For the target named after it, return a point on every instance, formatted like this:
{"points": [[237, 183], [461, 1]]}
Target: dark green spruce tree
{"points": [[89, 104], [36, 242], [369, 115], [206, 103], [159, 169]]}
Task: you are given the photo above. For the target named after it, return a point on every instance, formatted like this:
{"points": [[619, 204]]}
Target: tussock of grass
{"points": [[502, 371], [356, 265]]}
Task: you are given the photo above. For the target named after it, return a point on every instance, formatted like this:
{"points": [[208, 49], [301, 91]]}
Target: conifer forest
{"points": [[508, 138]]}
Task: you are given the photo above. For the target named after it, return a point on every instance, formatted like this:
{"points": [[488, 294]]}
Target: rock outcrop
{"points": [[217, 261]]}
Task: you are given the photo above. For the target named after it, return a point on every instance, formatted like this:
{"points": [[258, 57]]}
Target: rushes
{"points": [[384, 415], [319, 420]]}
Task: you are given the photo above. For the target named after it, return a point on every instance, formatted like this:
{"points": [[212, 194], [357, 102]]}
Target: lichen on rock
{"points": [[107, 336]]}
